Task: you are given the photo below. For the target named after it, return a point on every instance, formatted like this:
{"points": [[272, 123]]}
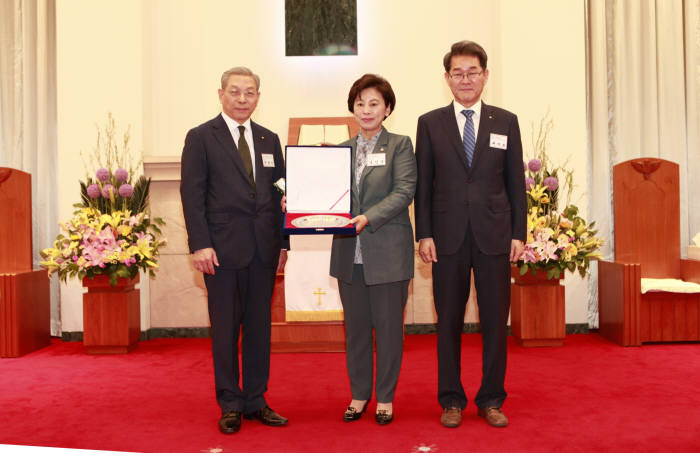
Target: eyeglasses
{"points": [[459, 76]]}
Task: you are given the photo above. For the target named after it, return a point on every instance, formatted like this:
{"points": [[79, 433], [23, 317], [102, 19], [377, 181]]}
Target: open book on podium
{"points": [[322, 134]]}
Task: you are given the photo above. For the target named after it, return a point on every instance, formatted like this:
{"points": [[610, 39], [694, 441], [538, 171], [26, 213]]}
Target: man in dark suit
{"points": [[470, 216], [233, 220]]}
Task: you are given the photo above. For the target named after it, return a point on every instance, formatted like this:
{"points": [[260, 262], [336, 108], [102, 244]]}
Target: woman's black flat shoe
{"points": [[351, 414], [384, 417]]}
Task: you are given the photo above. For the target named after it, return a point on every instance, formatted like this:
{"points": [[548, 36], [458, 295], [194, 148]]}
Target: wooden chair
{"points": [[24, 292], [647, 245]]}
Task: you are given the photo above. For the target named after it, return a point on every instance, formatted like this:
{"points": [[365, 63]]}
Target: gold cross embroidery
{"points": [[319, 293]]}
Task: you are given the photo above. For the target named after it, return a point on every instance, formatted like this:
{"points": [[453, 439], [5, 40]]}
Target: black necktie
{"points": [[245, 154]]}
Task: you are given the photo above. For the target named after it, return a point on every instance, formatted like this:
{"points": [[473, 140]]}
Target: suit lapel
{"points": [[260, 142], [223, 135], [453, 134], [485, 127]]}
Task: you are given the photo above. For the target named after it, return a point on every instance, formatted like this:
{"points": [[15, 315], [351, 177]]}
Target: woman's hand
{"points": [[283, 203], [360, 222]]}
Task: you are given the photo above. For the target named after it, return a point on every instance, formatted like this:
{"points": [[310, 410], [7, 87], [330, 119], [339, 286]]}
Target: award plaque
{"points": [[318, 190]]}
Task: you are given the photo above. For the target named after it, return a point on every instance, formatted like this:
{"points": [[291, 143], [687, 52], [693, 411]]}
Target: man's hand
{"points": [[516, 249], [205, 260], [283, 203], [426, 250], [360, 222], [282, 261]]}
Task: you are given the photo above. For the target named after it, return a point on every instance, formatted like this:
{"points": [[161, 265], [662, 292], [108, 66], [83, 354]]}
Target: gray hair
{"points": [[239, 70]]}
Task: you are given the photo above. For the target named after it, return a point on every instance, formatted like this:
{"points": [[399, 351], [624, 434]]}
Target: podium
{"points": [[306, 336], [24, 292]]}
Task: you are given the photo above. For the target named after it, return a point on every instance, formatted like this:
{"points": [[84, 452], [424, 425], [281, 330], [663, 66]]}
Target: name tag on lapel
{"points": [[376, 160], [498, 141], [268, 160]]}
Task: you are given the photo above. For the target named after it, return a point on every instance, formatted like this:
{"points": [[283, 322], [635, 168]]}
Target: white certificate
{"points": [[318, 179]]}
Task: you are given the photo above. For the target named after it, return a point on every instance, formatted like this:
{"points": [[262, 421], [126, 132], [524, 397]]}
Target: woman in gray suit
{"points": [[375, 266]]}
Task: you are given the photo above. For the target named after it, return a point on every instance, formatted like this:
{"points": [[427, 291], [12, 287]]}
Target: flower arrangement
{"points": [[557, 240], [111, 232]]}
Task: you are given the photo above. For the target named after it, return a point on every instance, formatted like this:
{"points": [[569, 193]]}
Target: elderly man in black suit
{"points": [[470, 215], [233, 219]]}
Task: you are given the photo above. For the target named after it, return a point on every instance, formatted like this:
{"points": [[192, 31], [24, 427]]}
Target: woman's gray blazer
{"points": [[384, 196]]}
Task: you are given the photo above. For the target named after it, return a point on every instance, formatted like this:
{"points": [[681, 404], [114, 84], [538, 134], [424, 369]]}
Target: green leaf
{"points": [[123, 271], [523, 269]]}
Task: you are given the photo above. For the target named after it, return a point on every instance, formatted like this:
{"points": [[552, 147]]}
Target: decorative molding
{"points": [[646, 166], [162, 168]]}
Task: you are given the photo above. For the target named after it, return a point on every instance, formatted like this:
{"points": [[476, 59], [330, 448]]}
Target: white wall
{"points": [[157, 65]]}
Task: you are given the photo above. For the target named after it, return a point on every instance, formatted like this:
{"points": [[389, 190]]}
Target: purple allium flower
{"points": [[125, 190], [529, 183], [102, 174], [551, 183], [93, 191], [121, 175], [107, 190], [534, 165]]}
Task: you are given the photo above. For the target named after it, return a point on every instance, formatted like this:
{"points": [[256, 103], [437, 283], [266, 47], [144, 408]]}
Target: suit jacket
{"points": [[384, 196], [222, 208], [489, 195]]}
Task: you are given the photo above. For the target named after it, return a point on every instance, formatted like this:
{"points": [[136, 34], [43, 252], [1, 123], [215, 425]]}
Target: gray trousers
{"points": [[379, 307]]}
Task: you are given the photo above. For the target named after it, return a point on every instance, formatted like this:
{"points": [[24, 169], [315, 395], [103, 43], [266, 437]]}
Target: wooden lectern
{"points": [[306, 336], [24, 292]]}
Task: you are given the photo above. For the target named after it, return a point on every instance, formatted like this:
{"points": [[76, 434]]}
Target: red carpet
{"points": [[589, 395]]}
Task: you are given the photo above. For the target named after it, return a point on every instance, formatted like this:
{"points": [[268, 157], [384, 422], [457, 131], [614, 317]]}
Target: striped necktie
{"points": [[468, 136]]}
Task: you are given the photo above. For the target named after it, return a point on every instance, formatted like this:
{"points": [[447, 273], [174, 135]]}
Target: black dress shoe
{"points": [[384, 417], [267, 416], [351, 414], [230, 422]]}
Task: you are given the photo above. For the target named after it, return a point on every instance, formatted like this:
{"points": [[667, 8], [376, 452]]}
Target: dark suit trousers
{"points": [[380, 307], [451, 285], [239, 299]]}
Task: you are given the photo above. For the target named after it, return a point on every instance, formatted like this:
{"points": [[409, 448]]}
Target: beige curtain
{"points": [[28, 113], [642, 64]]}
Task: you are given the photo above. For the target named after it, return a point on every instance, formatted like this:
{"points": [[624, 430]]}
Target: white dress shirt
{"points": [[462, 120], [235, 133]]}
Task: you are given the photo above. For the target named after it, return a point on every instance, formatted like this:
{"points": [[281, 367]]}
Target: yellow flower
{"points": [[544, 199], [124, 230], [144, 248]]}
